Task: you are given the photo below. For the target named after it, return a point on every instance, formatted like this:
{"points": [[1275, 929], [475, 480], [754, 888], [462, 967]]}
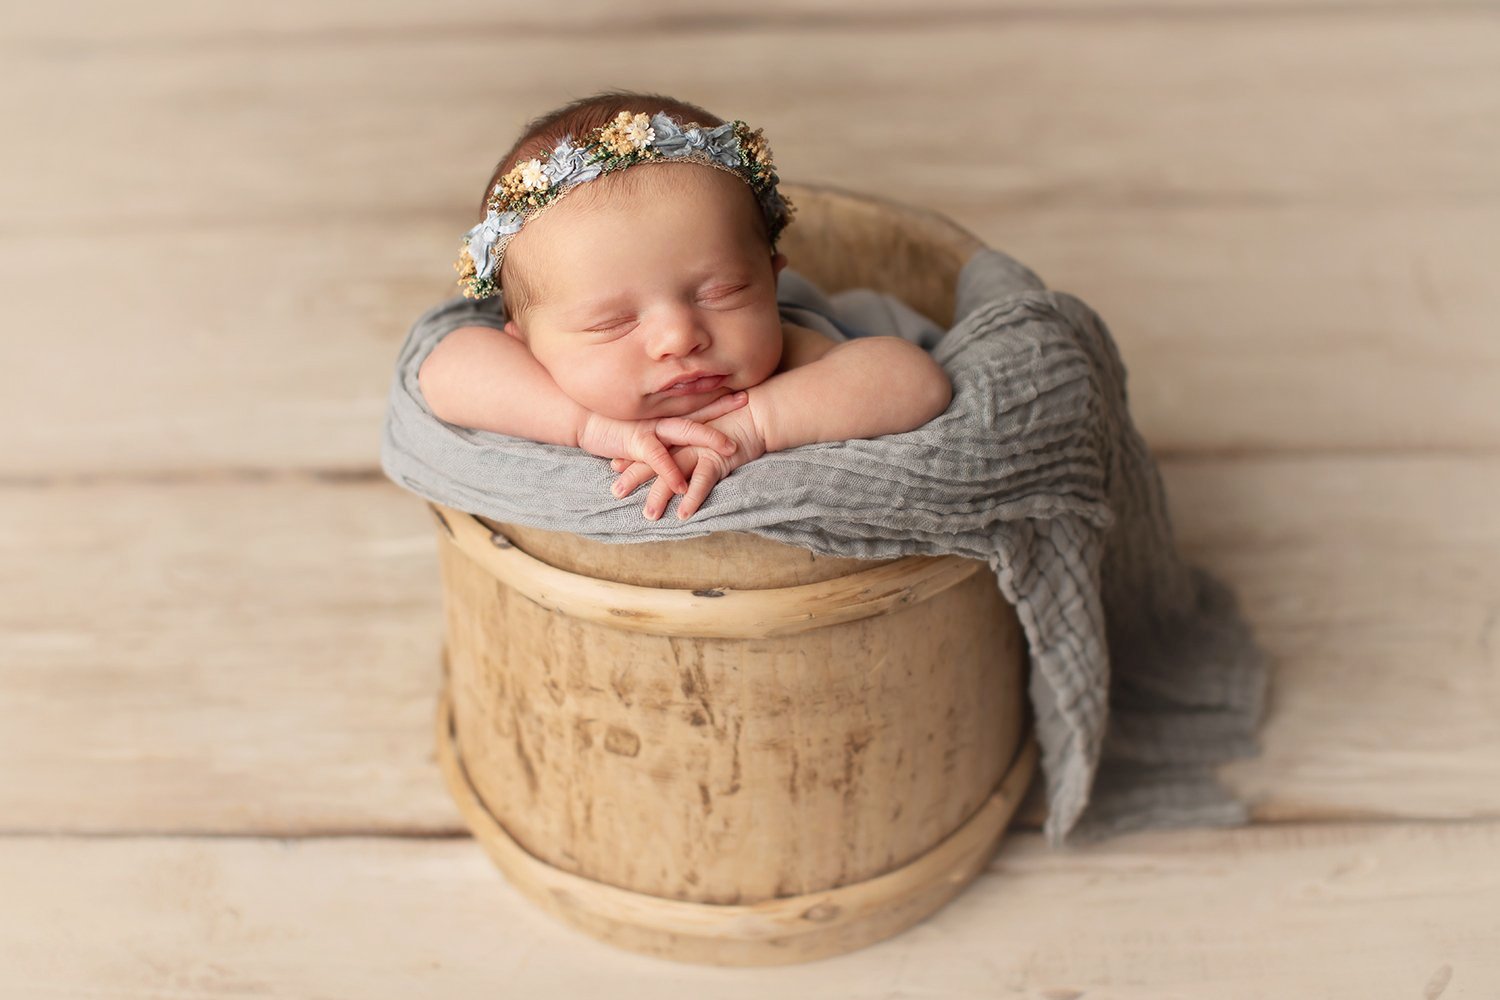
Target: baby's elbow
{"points": [[907, 373], [940, 392], [432, 383], [933, 389], [927, 384]]}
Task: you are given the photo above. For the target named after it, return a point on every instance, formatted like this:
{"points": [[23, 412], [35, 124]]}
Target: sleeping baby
{"points": [[642, 322]]}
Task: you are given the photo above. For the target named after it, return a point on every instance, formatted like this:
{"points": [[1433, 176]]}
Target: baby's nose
{"points": [[678, 334]]}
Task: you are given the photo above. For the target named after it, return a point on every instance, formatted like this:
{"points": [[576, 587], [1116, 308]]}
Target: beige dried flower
{"points": [[465, 265], [760, 150], [532, 177], [627, 133]]}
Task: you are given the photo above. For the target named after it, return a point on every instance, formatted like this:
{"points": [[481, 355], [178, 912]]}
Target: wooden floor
{"points": [[219, 622]]}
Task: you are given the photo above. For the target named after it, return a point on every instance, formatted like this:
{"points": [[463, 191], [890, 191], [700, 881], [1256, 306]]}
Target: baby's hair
{"points": [[578, 119]]}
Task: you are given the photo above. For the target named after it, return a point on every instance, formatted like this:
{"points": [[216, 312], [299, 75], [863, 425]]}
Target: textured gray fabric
{"points": [[1144, 675]]}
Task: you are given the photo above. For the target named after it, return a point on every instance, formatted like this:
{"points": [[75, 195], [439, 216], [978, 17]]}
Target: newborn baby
{"points": [[642, 308]]}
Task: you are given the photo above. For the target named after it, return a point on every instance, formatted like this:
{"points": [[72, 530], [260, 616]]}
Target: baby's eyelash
{"points": [[710, 296], [608, 326], [725, 293]]}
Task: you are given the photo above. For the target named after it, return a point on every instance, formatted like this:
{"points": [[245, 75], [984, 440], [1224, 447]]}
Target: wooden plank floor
{"points": [[219, 623]]}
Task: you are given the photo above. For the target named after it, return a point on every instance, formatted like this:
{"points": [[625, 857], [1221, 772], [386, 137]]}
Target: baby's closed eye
{"points": [[610, 325], [729, 296], [718, 294]]}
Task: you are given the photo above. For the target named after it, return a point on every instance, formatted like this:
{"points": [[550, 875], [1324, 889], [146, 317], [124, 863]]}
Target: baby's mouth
{"points": [[692, 387]]}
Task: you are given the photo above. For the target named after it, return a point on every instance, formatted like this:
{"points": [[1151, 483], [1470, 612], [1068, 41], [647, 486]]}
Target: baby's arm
{"points": [[486, 379], [861, 388]]}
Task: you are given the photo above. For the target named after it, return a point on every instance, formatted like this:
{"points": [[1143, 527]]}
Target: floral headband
{"points": [[523, 193]]}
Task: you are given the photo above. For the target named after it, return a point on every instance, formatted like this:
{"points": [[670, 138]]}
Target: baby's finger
{"points": [[631, 479], [705, 475], [618, 464], [656, 500], [680, 430], [665, 466], [720, 406]]}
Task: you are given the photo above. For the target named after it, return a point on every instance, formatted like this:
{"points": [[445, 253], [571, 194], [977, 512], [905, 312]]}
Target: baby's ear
{"points": [[514, 331], [778, 261]]}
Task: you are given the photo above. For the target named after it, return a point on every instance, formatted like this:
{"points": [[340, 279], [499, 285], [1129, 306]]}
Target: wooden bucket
{"points": [[725, 749]]}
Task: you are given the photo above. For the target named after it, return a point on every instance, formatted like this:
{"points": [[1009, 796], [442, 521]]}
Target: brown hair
{"points": [[578, 118]]}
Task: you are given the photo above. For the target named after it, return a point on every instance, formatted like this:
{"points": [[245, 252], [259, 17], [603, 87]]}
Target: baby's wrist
{"points": [[758, 415], [587, 426]]}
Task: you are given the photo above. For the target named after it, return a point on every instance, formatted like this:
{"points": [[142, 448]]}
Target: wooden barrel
{"points": [[725, 749]]}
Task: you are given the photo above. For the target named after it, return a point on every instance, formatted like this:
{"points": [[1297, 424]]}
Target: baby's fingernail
{"points": [[729, 448]]}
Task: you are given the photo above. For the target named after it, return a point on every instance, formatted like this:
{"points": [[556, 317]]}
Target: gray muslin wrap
{"points": [[1144, 674]]}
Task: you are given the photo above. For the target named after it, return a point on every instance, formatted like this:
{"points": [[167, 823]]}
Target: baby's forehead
{"points": [[597, 234], [632, 192], [578, 254], [652, 180]]}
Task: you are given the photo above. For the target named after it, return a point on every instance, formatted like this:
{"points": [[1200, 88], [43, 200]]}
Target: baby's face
{"points": [[637, 288]]}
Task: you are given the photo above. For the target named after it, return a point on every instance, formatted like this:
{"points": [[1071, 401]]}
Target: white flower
{"points": [[532, 176], [639, 132]]}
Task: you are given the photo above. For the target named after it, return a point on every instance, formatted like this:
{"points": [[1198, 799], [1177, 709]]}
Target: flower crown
{"points": [[524, 192]]}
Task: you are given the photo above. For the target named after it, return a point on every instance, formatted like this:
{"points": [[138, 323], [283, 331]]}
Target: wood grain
{"points": [[220, 624], [1292, 241], [263, 655], [1342, 912], [177, 24]]}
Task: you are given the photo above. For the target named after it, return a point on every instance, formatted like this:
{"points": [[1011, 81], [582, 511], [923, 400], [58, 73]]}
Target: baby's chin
{"points": [[680, 406], [657, 406]]}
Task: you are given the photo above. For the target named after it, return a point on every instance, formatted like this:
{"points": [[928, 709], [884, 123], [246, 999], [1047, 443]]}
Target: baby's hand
{"points": [[706, 465], [642, 440]]}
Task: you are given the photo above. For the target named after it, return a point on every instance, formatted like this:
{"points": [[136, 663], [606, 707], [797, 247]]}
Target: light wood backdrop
{"points": [[218, 622]]}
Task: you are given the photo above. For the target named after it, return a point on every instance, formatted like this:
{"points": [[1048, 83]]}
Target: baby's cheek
{"points": [[594, 388], [622, 403], [621, 408], [775, 356]]}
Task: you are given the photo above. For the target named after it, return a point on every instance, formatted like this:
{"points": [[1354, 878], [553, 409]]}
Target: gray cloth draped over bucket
{"points": [[1144, 674]]}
